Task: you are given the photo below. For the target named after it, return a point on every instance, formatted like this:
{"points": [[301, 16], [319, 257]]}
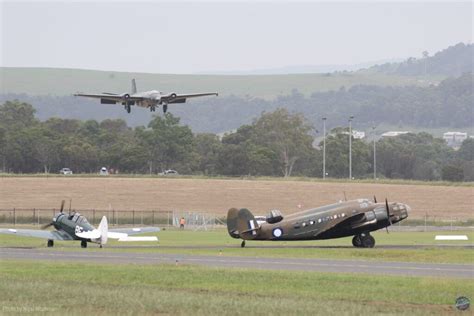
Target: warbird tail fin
{"points": [[104, 230], [247, 226], [134, 87]]}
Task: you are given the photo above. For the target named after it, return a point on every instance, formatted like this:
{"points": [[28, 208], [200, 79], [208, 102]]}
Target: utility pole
{"points": [[375, 159], [350, 146], [324, 148]]}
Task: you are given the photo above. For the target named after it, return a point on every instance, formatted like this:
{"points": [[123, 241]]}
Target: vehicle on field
{"points": [[103, 171], [65, 171], [169, 172]]}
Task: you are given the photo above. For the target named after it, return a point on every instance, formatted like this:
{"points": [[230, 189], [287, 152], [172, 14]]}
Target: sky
{"points": [[192, 37]]}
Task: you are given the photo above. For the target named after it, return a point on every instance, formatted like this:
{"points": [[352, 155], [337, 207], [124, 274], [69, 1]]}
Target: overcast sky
{"points": [[184, 37]]}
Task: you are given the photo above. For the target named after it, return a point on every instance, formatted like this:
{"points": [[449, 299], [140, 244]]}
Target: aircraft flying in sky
{"points": [[74, 226], [148, 99], [350, 218]]}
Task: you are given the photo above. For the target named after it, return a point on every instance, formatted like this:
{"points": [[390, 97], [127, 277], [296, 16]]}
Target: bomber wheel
{"points": [[128, 108], [242, 244], [50, 243], [83, 244], [368, 241], [356, 241], [165, 108]]}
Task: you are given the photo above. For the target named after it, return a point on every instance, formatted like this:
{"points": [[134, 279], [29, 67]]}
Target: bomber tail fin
{"points": [[134, 86], [242, 224]]}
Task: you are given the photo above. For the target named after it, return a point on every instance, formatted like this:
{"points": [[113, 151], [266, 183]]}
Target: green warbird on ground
{"points": [[74, 226], [350, 218]]}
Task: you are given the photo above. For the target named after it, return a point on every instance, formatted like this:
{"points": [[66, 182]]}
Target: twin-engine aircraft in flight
{"points": [[74, 226], [148, 99], [351, 218]]}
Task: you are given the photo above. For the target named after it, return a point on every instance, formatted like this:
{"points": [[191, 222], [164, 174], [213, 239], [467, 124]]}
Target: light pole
{"points": [[350, 146], [324, 148], [375, 156]]}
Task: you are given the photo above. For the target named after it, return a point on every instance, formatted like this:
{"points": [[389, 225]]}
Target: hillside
{"points": [[62, 82], [447, 105], [452, 61]]}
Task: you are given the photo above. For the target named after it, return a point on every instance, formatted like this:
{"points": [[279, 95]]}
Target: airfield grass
{"points": [[217, 242], [106, 289]]}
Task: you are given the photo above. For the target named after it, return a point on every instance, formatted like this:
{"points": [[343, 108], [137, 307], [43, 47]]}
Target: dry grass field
{"points": [[217, 196]]}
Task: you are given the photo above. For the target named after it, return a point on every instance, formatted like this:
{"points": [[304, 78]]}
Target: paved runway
{"points": [[317, 265]]}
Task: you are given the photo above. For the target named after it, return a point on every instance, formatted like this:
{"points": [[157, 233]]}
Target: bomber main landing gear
{"points": [[83, 244], [364, 240], [242, 244], [152, 108], [50, 243], [165, 108], [128, 108]]}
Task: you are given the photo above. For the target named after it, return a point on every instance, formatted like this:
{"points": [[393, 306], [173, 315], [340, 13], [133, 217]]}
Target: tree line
{"points": [[277, 143]]}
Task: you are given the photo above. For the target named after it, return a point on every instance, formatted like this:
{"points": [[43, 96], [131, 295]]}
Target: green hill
{"points": [[61, 82]]}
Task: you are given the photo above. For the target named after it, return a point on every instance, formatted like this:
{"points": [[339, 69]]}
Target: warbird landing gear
{"points": [[165, 108], [364, 240], [152, 108], [50, 243], [242, 244], [83, 244]]}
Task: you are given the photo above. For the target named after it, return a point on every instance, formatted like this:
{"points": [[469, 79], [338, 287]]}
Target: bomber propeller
{"points": [[52, 223], [388, 214]]}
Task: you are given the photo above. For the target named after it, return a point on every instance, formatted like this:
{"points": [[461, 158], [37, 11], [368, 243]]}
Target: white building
{"points": [[394, 133], [454, 139]]}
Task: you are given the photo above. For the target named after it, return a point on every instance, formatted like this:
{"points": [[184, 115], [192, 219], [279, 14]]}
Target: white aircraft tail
{"points": [[134, 86], [104, 230]]}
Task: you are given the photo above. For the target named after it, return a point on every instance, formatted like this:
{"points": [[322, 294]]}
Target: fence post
{"points": [[34, 215], [133, 217], [14, 216], [93, 216], [152, 218]]}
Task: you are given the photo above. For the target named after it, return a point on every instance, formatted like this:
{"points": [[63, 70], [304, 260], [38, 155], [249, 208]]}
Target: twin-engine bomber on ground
{"points": [[148, 99], [350, 218], [74, 226]]}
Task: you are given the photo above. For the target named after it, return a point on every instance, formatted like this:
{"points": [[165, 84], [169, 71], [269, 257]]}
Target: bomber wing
{"points": [[45, 234], [181, 98], [109, 96], [342, 221]]}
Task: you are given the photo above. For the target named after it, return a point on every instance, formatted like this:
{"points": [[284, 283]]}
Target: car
{"points": [[169, 172], [103, 171], [65, 171]]}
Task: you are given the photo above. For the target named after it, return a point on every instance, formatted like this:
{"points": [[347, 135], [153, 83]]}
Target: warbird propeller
{"points": [[350, 218], [148, 99], [74, 226]]}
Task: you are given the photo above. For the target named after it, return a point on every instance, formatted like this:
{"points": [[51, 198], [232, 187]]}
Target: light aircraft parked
{"points": [[350, 218], [74, 226], [148, 99]]}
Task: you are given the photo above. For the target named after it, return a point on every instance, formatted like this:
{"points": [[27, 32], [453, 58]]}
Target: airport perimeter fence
{"points": [[161, 218], [193, 219]]}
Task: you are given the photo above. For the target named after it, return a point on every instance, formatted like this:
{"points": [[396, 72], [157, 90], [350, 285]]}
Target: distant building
{"points": [[358, 134], [454, 139], [355, 134], [394, 133]]}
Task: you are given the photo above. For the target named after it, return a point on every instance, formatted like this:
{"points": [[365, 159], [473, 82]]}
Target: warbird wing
{"points": [[51, 235]]}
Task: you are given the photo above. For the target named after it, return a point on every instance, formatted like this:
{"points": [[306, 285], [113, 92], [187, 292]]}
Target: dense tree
{"points": [[278, 143]]}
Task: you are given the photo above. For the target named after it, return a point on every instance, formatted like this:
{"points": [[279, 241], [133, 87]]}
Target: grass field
{"points": [[59, 288], [218, 195], [218, 242], [51, 81]]}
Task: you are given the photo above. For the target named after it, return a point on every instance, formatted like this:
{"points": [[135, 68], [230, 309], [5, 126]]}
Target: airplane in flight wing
{"points": [[350, 218], [148, 99], [74, 226]]}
